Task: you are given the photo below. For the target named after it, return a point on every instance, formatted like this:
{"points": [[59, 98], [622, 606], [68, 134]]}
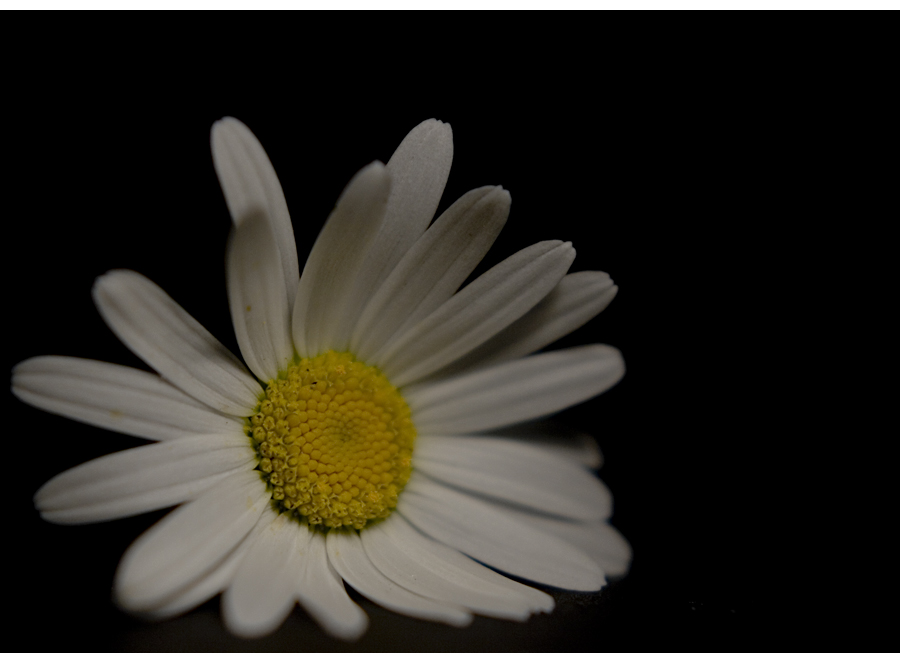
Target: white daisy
{"points": [[354, 450]]}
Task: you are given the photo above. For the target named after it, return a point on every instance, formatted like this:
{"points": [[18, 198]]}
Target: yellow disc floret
{"points": [[335, 441]]}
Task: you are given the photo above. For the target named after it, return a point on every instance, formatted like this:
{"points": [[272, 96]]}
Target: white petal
{"points": [[536, 600], [486, 533], [251, 189], [323, 596], [116, 397], [576, 299], [162, 333], [189, 542], [483, 308], [427, 568], [215, 581], [323, 312], [600, 541], [346, 554], [143, 479], [516, 391], [264, 588], [433, 269], [418, 171], [258, 298], [516, 472], [558, 439]]}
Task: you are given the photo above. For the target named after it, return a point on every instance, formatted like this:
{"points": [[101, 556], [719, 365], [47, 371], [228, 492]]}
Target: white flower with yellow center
{"points": [[353, 450]]}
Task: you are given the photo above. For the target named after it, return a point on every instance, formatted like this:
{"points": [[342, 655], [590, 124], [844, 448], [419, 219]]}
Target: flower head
{"points": [[356, 448]]}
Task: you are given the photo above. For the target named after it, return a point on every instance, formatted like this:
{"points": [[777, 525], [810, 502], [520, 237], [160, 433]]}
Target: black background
{"points": [[668, 175]]}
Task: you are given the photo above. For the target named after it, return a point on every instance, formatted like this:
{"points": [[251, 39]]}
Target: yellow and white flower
{"points": [[353, 450]]}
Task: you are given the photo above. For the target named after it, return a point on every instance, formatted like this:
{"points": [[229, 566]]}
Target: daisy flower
{"points": [[354, 443]]}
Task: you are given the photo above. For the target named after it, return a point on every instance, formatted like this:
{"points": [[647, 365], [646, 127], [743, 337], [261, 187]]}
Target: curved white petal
{"points": [[483, 308], [251, 189], [536, 600], [346, 554], [558, 439], [116, 397], [215, 580], [428, 568], [162, 333], [433, 269], [576, 299], [324, 310], [486, 533], [143, 479], [516, 472], [323, 596], [516, 391], [600, 541], [418, 171], [189, 542], [265, 586], [258, 298]]}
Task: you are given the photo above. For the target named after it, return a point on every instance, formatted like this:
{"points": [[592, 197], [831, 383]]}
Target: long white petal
{"points": [[516, 472], [116, 397], [189, 542], [251, 189], [346, 554], [433, 269], [576, 299], [557, 439], [263, 591], [162, 333], [484, 532], [215, 580], [418, 171], [258, 298], [324, 309], [323, 596], [536, 600], [409, 559], [513, 392], [600, 541], [483, 308], [143, 479]]}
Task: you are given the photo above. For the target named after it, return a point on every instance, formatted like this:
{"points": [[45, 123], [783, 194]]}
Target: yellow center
{"points": [[335, 441]]}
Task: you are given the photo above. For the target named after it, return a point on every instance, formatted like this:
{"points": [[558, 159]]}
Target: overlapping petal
{"points": [[430, 569], [418, 172], [478, 529], [560, 440], [190, 542], [215, 581], [144, 478], [483, 308], [515, 472], [258, 299], [600, 541], [252, 190], [576, 299], [267, 582], [165, 336], [346, 554], [515, 391], [323, 313], [433, 269], [324, 598], [116, 397]]}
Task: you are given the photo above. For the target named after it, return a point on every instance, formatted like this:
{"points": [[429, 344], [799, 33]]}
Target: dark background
{"points": [[668, 176]]}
